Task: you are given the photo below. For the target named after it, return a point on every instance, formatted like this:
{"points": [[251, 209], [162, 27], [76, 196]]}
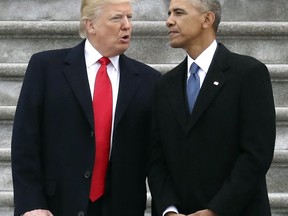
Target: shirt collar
{"points": [[92, 56], [205, 58]]}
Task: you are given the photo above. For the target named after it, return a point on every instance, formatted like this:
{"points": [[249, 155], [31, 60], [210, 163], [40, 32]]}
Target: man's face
{"points": [[185, 23], [112, 29]]}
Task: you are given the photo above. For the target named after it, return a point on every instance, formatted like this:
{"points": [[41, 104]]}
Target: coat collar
{"points": [[76, 74], [176, 92], [128, 85], [214, 81]]}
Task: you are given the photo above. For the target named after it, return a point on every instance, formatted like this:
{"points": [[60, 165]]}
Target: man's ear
{"points": [[209, 19], [90, 26]]}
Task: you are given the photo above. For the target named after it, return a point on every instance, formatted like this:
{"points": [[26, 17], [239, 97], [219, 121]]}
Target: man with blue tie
{"points": [[213, 123], [81, 126]]}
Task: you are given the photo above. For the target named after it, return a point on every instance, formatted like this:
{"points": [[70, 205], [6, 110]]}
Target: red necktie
{"points": [[102, 106]]}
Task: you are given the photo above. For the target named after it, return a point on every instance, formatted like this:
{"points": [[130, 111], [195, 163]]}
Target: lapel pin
{"points": [[216, 83]]}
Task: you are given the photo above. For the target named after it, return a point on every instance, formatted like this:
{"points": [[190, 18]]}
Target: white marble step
{"points": [[20, 39], [233, 10], [278, 201], [11, 76], [276, 177]]}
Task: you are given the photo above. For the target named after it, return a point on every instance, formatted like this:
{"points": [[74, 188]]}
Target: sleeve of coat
{"points": [[161, 187], [257, 135], [26, 141]]}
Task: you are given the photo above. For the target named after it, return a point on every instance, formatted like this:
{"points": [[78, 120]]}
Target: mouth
{"points": [[125, 39], [172, 33]]}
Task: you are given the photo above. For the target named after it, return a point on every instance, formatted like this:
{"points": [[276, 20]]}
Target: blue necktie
{"points": [[193, 86]]}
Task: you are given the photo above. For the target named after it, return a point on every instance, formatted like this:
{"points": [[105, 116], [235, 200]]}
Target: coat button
{"points": [[92, 134], [81, 213], [87, 174]]}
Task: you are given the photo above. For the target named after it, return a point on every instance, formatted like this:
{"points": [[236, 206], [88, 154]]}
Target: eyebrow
{"points": [[176, 10], [122, 13]]}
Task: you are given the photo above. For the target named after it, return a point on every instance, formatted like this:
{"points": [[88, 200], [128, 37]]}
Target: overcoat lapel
{"points": [[213, 82], [177, 95], [129, 83], [76, 74]]}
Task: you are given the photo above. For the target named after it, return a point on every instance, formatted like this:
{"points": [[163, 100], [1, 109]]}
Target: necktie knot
{"points": [[104, 61], [194, 68]]}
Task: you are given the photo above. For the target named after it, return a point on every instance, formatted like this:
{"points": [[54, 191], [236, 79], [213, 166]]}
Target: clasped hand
{"points": [[38, 212], [205, 212]]}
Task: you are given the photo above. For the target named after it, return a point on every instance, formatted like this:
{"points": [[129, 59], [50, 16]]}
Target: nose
{"points": [[126, 24], [170, 22]]}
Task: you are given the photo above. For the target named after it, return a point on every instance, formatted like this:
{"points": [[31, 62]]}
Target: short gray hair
{"points": [[90, 9], [211, 5]]}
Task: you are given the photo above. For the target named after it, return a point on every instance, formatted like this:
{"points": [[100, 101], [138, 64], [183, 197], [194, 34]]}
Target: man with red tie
{"points": [[82, 122]]}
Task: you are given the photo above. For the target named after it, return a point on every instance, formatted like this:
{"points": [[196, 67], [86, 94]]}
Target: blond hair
{"points": [[90, 9]]}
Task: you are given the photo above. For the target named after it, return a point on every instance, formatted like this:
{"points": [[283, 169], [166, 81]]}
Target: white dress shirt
{"points": [[203, 61], [91, 57]]}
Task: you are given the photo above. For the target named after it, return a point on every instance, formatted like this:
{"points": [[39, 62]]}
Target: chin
{"points": [[174, 45], [120, 51], [124, 48]]}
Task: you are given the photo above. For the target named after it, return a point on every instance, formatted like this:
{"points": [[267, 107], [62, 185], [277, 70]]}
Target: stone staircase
{"points": [[30, 26]]}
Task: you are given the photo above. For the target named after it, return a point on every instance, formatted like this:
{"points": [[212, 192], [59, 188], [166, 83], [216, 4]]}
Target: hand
{"points": [[173, 214], [205, 212], [38, 212]]}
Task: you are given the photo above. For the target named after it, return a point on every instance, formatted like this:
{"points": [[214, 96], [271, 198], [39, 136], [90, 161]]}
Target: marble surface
{"points": [[233, 10]]}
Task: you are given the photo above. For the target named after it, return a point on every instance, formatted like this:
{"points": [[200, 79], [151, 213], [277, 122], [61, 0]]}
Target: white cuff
{"points": [[170, 209]]}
